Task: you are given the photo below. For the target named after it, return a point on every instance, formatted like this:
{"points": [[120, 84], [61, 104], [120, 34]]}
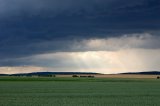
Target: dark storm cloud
{"points": [[30, 27]]}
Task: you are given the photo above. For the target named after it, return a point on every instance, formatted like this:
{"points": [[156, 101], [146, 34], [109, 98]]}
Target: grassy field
{"points": [[16, 91]]}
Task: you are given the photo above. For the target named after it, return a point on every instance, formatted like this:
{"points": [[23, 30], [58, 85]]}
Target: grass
{"points": [[78, 92]]}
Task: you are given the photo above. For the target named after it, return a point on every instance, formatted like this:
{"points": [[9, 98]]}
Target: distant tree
{"points": [[158, 77], [83, 76], [53, 75], [75, 76], [90, 76]]}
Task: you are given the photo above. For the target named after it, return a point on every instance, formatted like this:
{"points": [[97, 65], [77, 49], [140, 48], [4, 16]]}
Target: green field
{"points": [[79, 92]]}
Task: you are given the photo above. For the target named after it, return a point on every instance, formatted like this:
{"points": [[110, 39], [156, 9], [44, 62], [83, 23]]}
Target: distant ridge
{"points": [[48, 73], [3, 74], [144, 73]]}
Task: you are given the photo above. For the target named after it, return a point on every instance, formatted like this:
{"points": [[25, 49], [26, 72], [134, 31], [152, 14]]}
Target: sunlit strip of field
{"points": [[115, 76]]}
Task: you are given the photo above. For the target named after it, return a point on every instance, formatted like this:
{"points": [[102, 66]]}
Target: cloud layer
{"points": [[136, 52], [29, 28]]}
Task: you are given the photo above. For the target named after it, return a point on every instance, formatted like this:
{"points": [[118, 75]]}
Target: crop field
{"points": [[18, 91]]}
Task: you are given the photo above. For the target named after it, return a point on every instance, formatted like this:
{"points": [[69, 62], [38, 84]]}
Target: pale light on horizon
{"points": [[107, 62]]}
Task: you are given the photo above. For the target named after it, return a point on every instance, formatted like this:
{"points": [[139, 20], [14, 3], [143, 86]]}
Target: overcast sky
{"points": [[105, 36]]}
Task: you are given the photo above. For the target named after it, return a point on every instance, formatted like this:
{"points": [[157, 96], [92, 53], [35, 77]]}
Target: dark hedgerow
{"points": [[75, 76]]}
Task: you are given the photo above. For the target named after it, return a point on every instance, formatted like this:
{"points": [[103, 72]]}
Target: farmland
{"points": [[18, 91]]}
